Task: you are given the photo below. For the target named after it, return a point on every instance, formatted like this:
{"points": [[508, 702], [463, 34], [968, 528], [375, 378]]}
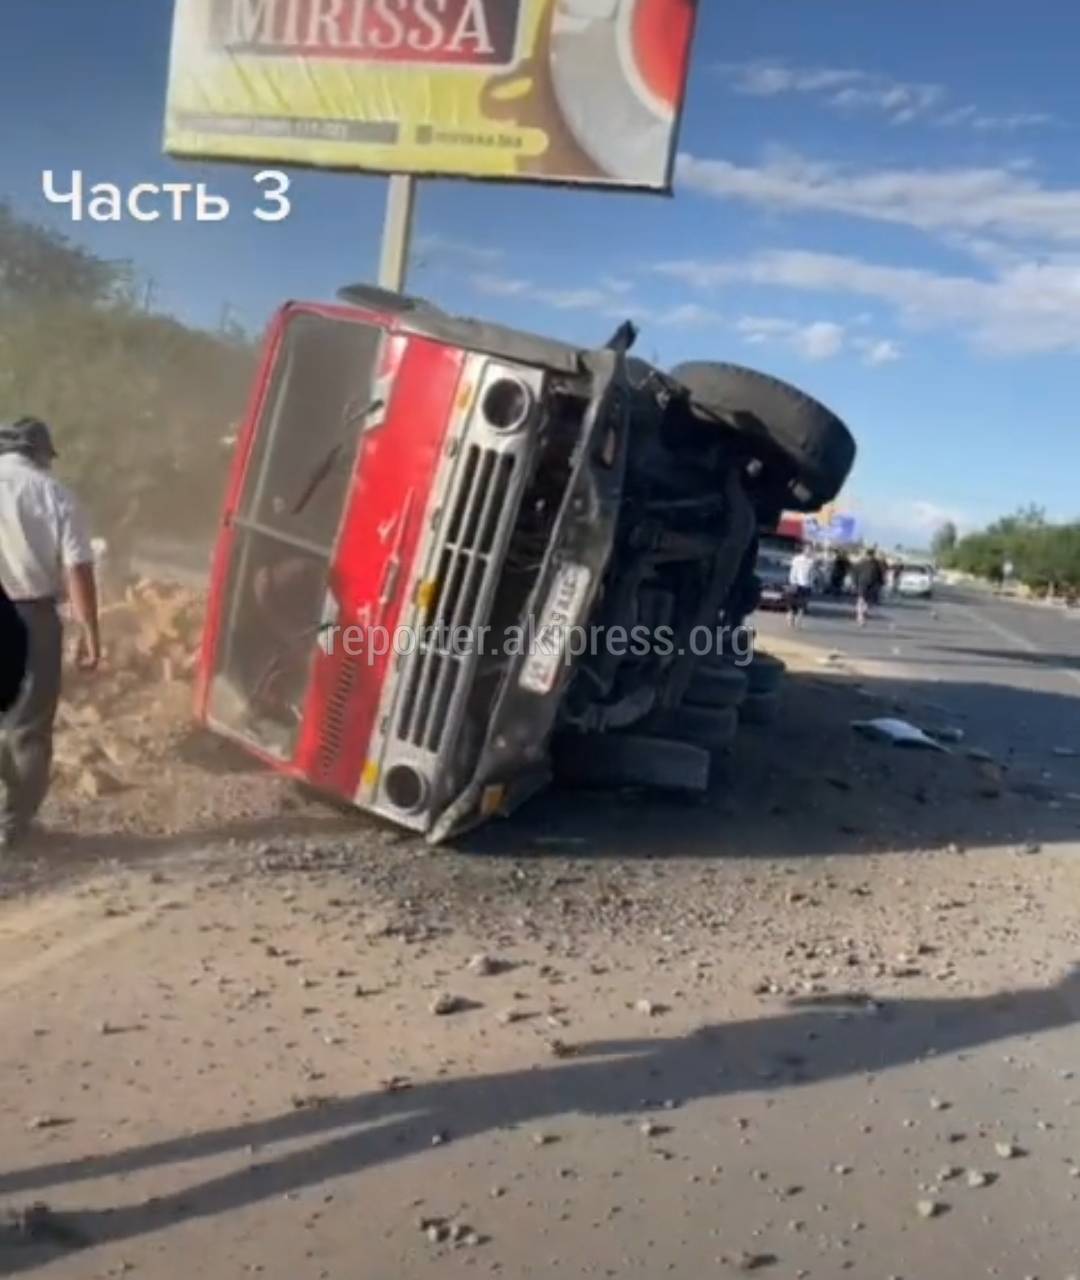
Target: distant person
{"points": [[838, 573], [45, 555], [867, 578], [800, 584]]}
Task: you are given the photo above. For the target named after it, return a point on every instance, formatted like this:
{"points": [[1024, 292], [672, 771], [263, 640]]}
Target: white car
{"points": [[916, 580]]}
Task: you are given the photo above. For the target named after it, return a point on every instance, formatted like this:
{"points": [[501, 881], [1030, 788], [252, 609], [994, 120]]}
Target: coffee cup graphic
{"points": [[618, 71]]}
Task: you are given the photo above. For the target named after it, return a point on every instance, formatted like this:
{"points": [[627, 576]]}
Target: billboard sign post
{"points": [[583, 92]]}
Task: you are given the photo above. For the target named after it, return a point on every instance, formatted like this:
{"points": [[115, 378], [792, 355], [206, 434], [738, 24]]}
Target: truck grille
{"points": [[463, 584]]}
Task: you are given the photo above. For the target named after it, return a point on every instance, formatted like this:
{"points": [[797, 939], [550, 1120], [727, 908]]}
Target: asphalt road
{"points": [[1005, 672]]}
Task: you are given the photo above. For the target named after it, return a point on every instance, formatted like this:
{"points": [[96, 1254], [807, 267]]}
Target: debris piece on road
{"points": [[951, 734], [445, 1003], [899, 733], [311, 1101], [746, 1261], [38, 1224], [48, 1122]]}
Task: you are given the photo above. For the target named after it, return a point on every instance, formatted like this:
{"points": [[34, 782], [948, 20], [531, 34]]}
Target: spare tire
{"points": [[760, 708], [716, 684], [711, 727], [764, 673], [811, 440]]}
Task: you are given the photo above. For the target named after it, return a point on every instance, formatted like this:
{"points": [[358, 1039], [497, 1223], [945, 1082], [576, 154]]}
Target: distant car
{"points": [[916, 581], [773, 568]]}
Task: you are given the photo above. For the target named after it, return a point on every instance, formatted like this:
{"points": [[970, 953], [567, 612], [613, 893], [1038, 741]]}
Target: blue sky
{"points": [[879, 202]]}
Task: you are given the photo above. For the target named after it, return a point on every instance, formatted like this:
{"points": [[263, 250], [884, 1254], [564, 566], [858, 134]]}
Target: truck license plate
{"points": [[563, 607]]}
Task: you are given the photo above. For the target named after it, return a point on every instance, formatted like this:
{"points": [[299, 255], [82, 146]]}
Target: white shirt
{"points": [[801, 573], [42, 531]]}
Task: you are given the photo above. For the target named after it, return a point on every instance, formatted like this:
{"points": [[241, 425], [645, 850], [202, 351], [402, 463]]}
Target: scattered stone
{"points": [[1029, 847], [396, 1084], [650, 1129], [483, 965], [1007, 1150], [445, 1003], [311, 1101], [747, 1261], [48, 1122], [949, 733], [976, 1178], [648, 1008], [939, 1104], [560, 1049], [929, 1208], [38, 1224], [543, 1139], [947, 1172], [508, 1016]]}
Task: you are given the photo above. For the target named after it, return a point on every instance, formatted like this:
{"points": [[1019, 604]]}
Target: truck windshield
{"points": [[294, 497]]}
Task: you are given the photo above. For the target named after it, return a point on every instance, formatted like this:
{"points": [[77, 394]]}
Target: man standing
{"points": [[45, 554], [800, 584], [868, 576]]}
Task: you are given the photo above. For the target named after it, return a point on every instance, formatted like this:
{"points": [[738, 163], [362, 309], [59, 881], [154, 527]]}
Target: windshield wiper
{"points": [[327, 464]]}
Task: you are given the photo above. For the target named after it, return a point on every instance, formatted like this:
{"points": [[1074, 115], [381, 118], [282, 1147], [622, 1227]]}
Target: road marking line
{"points": [[1015, 638]]}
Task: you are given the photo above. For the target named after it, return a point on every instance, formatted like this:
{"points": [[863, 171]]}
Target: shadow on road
{"points": [[812, 1042], [804, 787]]}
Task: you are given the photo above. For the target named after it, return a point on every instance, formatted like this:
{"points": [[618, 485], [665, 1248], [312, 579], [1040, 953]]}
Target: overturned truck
{"points": [[455, 558]]}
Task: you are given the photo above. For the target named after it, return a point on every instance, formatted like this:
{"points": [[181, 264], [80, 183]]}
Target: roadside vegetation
{"points": [[141, 405], [1044, 556]]}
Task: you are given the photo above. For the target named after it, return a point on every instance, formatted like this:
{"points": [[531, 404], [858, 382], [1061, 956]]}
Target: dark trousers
{"points": [[26, 731]]}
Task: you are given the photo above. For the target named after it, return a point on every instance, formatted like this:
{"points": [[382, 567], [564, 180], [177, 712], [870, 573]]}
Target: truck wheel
{"points": [[629, 760], [764, 673], [760, 708], [713, 728], [716, 684], [810, 438]]}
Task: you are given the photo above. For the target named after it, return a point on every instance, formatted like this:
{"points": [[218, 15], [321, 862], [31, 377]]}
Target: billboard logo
{"points": [[475, 33]]}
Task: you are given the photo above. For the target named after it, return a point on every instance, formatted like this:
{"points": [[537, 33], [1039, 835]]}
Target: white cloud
{"points": [[610, 299], [878, 351], [908, 522], [435, 246], [686, 314], [1028, 307], [994, 201], [818, 340], [500, 286], [848, 89]]}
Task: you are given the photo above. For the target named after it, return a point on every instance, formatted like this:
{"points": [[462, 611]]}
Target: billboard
{"points": [[838, 528], [576, 91]]}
